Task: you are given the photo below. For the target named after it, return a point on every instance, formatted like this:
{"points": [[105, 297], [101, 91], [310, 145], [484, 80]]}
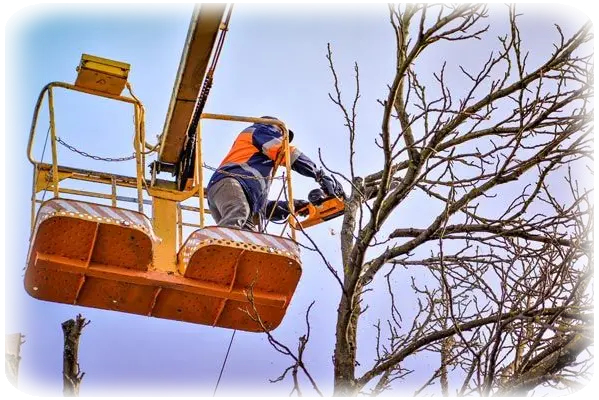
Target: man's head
{"points": [[276, 119]]}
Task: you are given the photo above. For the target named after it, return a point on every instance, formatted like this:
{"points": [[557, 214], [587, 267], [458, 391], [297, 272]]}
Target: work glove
{"points": [[300, 207], [282, 209], [297, 206], [327, 183]]}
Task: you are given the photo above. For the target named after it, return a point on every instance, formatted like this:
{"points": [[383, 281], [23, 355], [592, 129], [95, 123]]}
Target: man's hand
{"points": [[301, 207], [279, 210], [329, 185]]}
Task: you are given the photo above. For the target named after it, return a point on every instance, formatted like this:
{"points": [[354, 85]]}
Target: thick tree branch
{"points": [[550, 363], [439, 335], [498, 230]]}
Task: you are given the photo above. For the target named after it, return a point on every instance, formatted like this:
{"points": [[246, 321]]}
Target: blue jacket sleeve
{"points": [[302, 164]]}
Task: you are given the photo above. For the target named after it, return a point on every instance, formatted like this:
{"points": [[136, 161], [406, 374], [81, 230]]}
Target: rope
{"points": [[224, 362], [269, 218], [196, 117]]}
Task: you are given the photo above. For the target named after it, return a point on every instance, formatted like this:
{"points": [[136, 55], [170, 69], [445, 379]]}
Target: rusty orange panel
{"points": [[185, 306], [67, 237], [215, 264], [91, 260], [232, 316], [241, 260], [117, 296], [122, 247], [53, 284]]}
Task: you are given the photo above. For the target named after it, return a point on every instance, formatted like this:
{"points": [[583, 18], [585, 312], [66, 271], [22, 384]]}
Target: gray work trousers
{"points": [[229, 206]]}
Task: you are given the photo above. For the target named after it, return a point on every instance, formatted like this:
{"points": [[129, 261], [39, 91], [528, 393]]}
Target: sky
{"points": [[273, 62]]}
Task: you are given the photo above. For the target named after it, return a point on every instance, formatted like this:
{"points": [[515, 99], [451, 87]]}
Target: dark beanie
{"points": [[291, 134]]}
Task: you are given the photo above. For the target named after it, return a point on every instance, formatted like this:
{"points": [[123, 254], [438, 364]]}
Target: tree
{"points": [[71, 373], [72, 376], [500, 272], [12, 356]]}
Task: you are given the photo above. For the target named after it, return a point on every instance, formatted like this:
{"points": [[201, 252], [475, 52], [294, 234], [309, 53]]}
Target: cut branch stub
{"points": [[71, 374], [12, 354]]}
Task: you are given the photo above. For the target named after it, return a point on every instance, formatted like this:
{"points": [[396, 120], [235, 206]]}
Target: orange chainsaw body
{"points": [[328, 209]]}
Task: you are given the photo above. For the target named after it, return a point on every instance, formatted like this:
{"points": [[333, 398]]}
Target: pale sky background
{"points": [[273, 62]]}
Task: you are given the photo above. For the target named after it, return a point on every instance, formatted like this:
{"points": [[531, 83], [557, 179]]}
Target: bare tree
{"points": [[12, 356], [71, 373], [10, 349], [501, 267]]}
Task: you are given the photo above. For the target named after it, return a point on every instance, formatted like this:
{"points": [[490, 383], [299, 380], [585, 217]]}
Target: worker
{"points": [[238, 190]]}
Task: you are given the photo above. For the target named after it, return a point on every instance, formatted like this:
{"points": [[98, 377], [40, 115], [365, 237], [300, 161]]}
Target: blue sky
{"points": [[273, 62]]}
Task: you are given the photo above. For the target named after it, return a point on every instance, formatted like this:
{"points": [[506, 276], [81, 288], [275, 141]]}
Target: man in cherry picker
{"points": [[238, 190]]}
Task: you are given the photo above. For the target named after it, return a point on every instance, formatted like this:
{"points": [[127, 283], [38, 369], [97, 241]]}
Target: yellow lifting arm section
{"points": [[201, 39]]}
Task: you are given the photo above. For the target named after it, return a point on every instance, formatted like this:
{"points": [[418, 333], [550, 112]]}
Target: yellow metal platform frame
{"points": [[110, 257]]}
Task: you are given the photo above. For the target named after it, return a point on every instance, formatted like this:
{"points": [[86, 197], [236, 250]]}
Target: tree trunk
{"points": [[72, 377], [345, 349], [12, 353], [544, 369]]}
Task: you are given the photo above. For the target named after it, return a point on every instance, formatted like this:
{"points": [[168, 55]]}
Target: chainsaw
{"points": [[321, 207]]}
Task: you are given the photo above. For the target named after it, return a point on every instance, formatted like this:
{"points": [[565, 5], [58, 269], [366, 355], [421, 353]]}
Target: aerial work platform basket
{"points": [[98, 256], [94, 254]]}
